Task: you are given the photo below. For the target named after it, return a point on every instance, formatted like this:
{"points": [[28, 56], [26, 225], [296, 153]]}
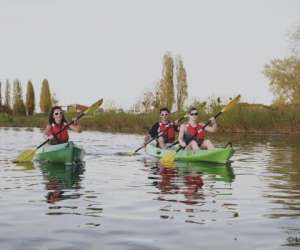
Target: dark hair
{"points": [[192, 109], [164, 109], [51, 119]]}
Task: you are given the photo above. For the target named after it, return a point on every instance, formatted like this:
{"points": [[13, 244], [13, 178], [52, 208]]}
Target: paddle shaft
{"points": [[146, 143]]}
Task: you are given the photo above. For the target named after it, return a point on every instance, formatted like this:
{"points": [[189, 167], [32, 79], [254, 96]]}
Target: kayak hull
{"points": [[217, 155], [65, 153]]}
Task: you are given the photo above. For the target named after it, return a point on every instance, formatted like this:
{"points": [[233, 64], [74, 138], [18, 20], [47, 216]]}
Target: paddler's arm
{"points": [[153, 132], [212, 127], [47, 133], [176, 125], [75, 126], [180, 136]]}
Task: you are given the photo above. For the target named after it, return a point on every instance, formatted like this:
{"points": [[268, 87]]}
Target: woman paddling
{"points": [[56, 123], [192, 136]]}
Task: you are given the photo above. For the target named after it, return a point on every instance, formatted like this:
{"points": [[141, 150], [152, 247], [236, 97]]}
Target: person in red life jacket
{"points": [[56, 122], [192, 136], [165, 129]]}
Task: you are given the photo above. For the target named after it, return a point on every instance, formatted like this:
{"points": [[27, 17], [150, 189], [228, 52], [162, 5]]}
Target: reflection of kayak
{"points": [[66, 153], [221, 172], [217, 155], [61, 176]]}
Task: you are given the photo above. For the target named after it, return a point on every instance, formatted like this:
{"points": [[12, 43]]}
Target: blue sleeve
{"points": [[153, 131]]}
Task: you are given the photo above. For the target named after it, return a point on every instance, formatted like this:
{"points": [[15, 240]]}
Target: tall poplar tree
{"points": [[30, 99], [167, 96], [181, 86], [7, 101], [45, 97], [18, 103]]}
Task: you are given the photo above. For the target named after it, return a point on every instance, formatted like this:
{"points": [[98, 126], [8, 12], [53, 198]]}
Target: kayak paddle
{"points": [[28, 154], [146, 143], [170, 156]]}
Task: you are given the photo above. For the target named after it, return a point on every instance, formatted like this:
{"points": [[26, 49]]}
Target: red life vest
{"points": [[197, 132], [63, 136], [168, 130]]}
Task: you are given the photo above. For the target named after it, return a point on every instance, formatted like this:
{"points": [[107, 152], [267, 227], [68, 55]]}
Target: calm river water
{"points": [[116, 201]]}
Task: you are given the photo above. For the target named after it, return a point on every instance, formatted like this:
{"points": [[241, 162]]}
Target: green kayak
{"points": [[65, 153], [217, 155]]}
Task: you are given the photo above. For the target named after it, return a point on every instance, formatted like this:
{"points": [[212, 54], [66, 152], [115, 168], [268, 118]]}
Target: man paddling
{"points": [[164, 130], [192, 135]]}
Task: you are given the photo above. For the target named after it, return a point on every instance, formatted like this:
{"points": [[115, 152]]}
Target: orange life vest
{"points": [[63, 136], [168, 130], [196, 132]]}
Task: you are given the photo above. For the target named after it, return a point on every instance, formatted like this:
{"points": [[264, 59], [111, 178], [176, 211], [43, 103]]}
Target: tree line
{"points": [[12, 100], [283, 75]]}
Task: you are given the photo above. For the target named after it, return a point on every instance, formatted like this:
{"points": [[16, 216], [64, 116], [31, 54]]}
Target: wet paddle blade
{"points": [[168, 158], [94, 107], [232, 103], [26, 156]]}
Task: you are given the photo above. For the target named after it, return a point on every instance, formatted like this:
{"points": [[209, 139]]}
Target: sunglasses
{"points": [[58, 113], [196, 113]]}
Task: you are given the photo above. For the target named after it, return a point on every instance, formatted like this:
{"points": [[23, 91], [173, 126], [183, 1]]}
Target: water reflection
{"points": [[215, 172], [191, 189], [60, 178], [283, 180]]}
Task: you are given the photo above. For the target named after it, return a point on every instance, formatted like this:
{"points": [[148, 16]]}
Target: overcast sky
{"points": [[113, 49]]}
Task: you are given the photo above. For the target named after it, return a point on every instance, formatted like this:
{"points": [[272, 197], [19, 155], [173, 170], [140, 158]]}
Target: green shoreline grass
{"points": [[244, 118]]}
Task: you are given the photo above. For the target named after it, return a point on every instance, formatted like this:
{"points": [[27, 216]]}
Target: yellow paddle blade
{"points": [[94, 106], [168, 158], [127, 153], [26, 156], [232, 103]]}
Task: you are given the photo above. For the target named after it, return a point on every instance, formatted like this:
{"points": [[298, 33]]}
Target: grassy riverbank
{"points": [[243, 118]]}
